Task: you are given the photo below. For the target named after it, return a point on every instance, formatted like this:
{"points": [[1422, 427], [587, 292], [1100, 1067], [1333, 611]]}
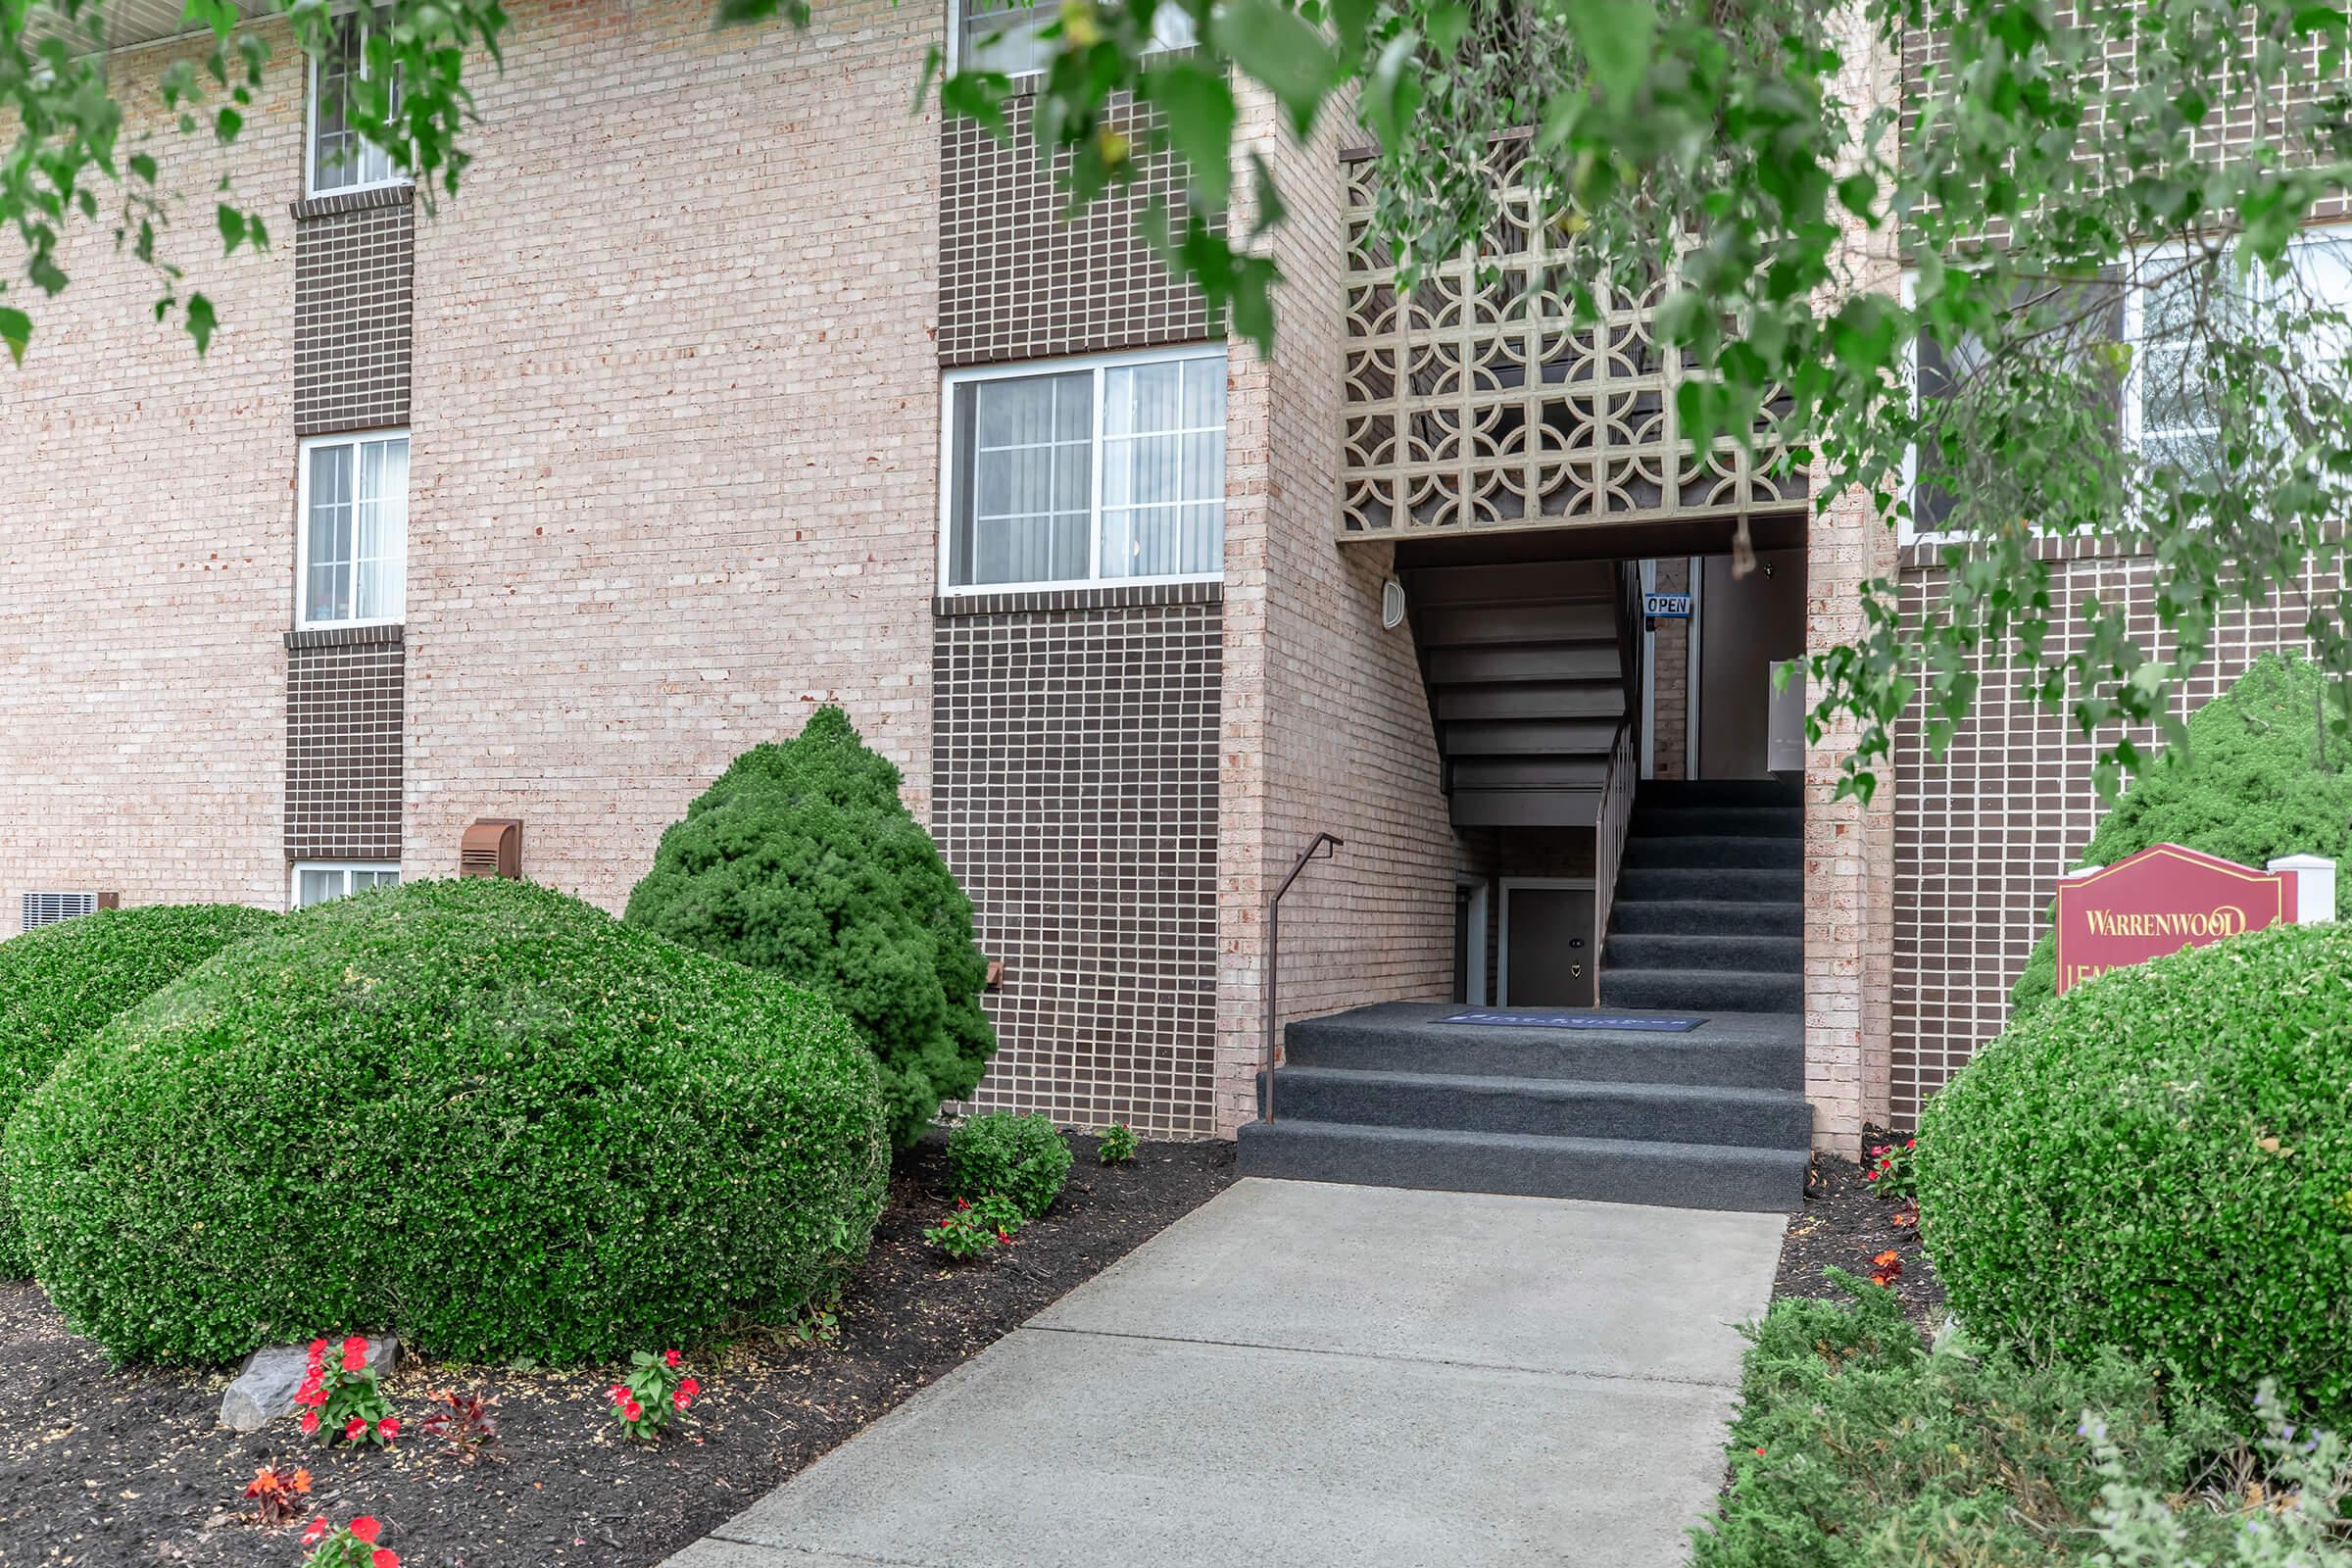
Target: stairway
{"points": [[1707, 924], [1526, 668]]}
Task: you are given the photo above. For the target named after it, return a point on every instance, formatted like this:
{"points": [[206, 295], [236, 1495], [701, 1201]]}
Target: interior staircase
{"points": [[1707, 924]]}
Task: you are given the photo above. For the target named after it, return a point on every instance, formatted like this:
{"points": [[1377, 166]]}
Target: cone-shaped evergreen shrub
{"points": [[2250, 788], [60, 984], [477, 1114], [802, 861], [2161, 1161]]}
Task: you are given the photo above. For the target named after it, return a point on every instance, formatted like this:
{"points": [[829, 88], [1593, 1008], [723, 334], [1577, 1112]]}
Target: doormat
{"points": [[1575, 1020]]}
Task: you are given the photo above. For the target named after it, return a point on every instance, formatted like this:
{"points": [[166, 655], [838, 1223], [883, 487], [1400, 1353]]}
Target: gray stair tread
{"points": [[1540, 1088], [1540, 1142], [1416, 1018]]}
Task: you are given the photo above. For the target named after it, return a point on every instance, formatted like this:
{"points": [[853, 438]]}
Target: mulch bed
{"points": [[1845, 1224], [101, 1467]]}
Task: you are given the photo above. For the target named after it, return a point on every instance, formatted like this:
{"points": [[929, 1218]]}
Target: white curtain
{"points": [[358, 531], [1163, 468], [1031, 484]]}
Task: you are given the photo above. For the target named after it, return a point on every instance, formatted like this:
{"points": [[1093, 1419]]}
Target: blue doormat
{"points": [[1575, 1020]]}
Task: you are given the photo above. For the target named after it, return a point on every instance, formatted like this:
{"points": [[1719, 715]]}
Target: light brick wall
{"points": [[675, 439], [1849, 846], [146, 543], [1327, 727]]}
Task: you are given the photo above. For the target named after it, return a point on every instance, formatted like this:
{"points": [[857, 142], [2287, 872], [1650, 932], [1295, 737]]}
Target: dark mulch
{"points": [[99, 1467], [1845, 1223]]}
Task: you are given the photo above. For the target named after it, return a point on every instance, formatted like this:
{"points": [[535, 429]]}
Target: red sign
{"points": [[2160, 901]]}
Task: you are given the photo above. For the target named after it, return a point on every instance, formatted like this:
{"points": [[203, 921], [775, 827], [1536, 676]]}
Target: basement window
{"points": [[1097, 471], [353, 545], [318, 881], [55, 908], [341, 159]]}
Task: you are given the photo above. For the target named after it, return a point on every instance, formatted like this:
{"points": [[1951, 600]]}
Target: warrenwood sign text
{"points": [[2162, 900]]}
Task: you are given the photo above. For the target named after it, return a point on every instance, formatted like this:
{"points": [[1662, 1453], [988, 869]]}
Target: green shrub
{"points": [[2250, 788], [1117, 1147], [1023, 1158], [1858, 1446], [477, 1114], [60, 984], [2161, 1161], [800, 861]]}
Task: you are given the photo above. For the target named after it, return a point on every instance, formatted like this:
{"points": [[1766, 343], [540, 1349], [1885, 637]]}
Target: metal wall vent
{"points": [[492, 847], [51, 909]]}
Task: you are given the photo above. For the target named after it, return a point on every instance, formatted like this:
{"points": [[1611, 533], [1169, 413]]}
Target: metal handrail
{"points": [[1319, 849], [1610, 825]]}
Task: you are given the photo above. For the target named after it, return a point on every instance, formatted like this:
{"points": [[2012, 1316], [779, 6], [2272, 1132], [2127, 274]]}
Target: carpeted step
{"points": [[1738, 822], [1738, 885], [1551, 1108], [1701, 989], [1721, 951], [1674, 793], [1715, 851], [1733, 1050], [1705, 916], [1608, 1169]]}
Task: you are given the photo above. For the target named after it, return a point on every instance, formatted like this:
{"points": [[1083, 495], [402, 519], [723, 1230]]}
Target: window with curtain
{"points": [[316, 881], [341, 159], [1112, 472], [1008, 36], [355, 530]]}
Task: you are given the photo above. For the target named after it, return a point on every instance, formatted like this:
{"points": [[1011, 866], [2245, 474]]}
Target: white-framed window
{"points": [[1106, 470], [1008, 36], [352, 542], [340, 159], [318, 881]]}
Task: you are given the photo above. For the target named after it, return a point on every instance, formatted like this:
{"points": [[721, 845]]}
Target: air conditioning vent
{"points": [[50, 909], [492, 847]]}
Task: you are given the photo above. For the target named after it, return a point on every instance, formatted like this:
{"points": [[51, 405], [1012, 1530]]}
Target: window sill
{"points": [[375, 634], [1088, 596], [328, 203], [1928, 550]]}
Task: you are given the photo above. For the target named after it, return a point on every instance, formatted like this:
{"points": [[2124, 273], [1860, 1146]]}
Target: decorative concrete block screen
{"points": [[1074, 792], [1984, 832], [1477, 403], [345, 695]]}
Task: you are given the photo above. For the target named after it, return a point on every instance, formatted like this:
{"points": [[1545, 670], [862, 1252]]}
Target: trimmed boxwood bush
{"points": [[2250, 787], [1021, 1157], [802, 861], [477, 1114], [60, 984], [2161, 1161]]}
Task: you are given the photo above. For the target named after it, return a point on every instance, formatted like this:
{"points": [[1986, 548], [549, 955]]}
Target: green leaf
{"points": [[200, 321], [16, 331], [1280, 49], [1198, 102], [1616, 36], [233, 229]]}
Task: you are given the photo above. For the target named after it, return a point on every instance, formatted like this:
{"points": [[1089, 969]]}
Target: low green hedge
{"points": [[2161, 1161], [1021, 1157], [1858, 1446], [2252, 785], [60, 984], [477, 1114], [800, 861]]}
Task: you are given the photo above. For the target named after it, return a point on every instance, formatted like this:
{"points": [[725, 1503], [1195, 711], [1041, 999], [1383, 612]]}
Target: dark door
{"points": [[1747, 626], [1548, 957]]}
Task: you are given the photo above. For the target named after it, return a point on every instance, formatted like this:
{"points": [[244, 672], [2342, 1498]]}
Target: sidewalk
{"points": [[1316, 1375]]}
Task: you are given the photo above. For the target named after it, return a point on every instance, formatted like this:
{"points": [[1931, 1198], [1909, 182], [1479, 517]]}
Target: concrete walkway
{"points": [[1308, 1374]]}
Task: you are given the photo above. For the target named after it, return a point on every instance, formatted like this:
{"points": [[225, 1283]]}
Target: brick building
{"points": [[730, 386]]}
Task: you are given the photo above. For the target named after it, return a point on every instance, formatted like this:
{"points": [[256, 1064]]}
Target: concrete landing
{"points": [[1318, 1375]]}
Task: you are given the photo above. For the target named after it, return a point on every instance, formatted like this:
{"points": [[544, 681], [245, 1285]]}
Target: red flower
{"points": [[1759, 1453], [631, 1410], [354, 1354], [383, 1557], [689, 1386], [1002, 1237], [961, 1204], [672, 1357], [388, 1428], [318, 1528], [353, 1428], [310, 1423], [681, 1398], [368, 1527]]}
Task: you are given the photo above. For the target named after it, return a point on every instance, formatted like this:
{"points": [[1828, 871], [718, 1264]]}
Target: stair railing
{"points": [[1320, 850], [1609, 828]]}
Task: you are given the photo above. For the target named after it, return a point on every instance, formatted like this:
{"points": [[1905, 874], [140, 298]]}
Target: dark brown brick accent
{"points": [[1074, 791], [1983, 832], [345, 692], [1017, 283], [354, 281], [1128, 596]]}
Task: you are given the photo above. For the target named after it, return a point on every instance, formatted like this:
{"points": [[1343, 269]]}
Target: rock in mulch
{"points": [[274, 1374]]}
